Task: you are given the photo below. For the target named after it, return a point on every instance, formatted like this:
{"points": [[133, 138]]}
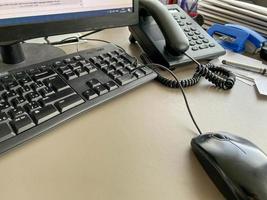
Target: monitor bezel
{"points": [[19, 33]]}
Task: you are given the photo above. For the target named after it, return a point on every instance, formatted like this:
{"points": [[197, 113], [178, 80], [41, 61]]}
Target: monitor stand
{"points": [[19, 55]]}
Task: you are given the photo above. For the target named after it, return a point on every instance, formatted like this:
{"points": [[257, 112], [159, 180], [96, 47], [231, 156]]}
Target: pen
{"points": [[259, 70]]}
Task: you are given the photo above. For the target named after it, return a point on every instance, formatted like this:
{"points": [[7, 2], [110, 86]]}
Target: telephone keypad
{"points": [[196, 40]]}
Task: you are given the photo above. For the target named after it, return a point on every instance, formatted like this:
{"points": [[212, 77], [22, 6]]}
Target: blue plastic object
{"points": [[255, 38], [240, 37]]}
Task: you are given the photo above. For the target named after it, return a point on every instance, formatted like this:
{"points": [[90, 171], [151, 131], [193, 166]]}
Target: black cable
{"points": [[74, 39], [220, 77], [182, 90], [91, 33]]}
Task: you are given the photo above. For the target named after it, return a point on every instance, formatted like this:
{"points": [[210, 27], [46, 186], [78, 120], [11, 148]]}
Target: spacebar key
{"points": [[58, 96], [43, 114]]}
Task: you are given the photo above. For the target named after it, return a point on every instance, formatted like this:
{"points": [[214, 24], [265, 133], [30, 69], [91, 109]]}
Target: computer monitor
{"points": [[21, 20]]}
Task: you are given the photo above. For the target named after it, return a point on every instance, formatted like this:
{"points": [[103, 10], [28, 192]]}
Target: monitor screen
{"points": [[26, 19], [13, 12]]}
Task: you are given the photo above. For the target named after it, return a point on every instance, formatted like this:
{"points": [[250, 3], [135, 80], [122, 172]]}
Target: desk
{"points": [[134, 147]]}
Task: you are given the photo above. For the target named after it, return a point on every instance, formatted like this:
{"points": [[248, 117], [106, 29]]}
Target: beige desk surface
{"points": [[134, 147]]}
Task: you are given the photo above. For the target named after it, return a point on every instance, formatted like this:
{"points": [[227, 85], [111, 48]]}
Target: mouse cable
{"points": [[153, 66]]}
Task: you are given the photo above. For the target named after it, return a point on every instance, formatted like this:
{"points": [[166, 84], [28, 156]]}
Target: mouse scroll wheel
{"points": [[220, 137]]}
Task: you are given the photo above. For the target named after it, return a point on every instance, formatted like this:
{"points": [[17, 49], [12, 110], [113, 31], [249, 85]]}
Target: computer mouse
{"points": [[236, 166]]}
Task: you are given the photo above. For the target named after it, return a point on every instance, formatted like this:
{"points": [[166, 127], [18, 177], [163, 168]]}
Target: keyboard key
{"points": [[100, 90], [90, 68], [131, 67], [19, 101], [128, 78], [90, 94], [22, 123], [24, 90], [44, 75], [69, 102], [77, 58], [3, 118], [9, 95], [6, 132], [115, 75], [33, 71], [74, 66], [109, 69], [102, 64], [111, 85], [64, 69], [81, 72], [32, 106], [37, 86], [139, 74], [20, 75], [70, 76], [93, 83], [12, 85], [33, 96], [15, 112], [43, 68], [118, 66], [4, 106], [123, 71], [2, 90], [43, 114], [56, 83], [53, 98], [67, 60], [7, 78], [25, 81], [146, 70], [46, 91]]}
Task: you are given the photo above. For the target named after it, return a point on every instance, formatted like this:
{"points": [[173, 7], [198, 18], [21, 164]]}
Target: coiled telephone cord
{"points": [[220, 77]]}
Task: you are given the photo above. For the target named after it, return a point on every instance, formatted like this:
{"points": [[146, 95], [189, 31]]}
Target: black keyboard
{"points": [[36, 98]]}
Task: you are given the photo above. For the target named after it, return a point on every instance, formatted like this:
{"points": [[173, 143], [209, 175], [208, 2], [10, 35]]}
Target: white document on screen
{"points": [[25, 8]]}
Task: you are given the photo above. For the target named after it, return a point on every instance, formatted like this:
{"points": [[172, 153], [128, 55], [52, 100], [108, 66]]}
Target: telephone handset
{"points": [[165, 32], [175, 40], [170, 37]]}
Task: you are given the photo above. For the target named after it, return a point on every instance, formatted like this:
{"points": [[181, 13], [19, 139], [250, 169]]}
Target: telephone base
{"points": [[148, 35]]}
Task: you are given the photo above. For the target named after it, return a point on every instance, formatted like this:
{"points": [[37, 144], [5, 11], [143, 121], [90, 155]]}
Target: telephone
{"points": [[164, 34]]}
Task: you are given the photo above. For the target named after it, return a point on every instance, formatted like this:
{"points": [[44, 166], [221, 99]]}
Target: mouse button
{"points": [[220, 136]]}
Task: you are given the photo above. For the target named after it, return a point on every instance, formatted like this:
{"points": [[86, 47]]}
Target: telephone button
{"points": [[194, 48], [204, 46], [186, 30], [212, 45], [192, 43], [190, 34]]}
